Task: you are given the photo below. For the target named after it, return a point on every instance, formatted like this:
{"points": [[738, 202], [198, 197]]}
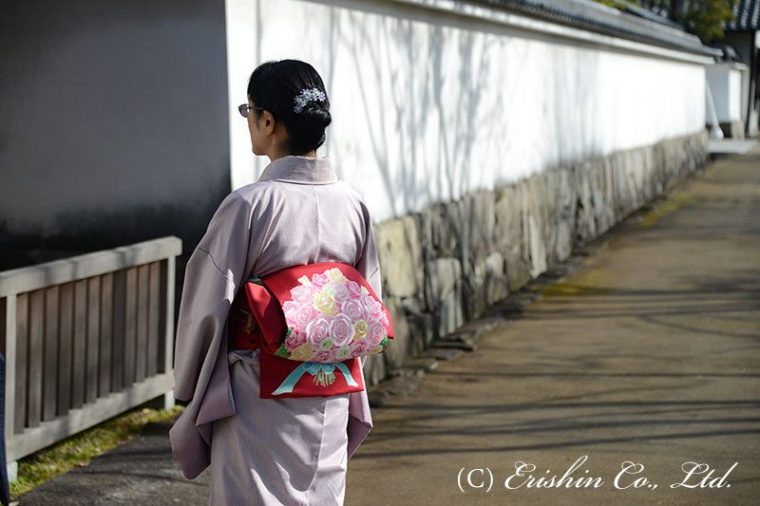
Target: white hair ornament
{"points": [[306, 96]]}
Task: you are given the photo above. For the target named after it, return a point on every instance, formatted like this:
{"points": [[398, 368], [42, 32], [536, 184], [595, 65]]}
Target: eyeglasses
{"points": [[244, 108]]}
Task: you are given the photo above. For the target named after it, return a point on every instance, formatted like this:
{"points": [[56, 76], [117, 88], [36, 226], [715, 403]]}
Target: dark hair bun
{"points": [[274, 86], [317, 114]]}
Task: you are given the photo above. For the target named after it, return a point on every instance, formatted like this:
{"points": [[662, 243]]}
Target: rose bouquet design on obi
{"points": [[331, 318], [312, 318]]}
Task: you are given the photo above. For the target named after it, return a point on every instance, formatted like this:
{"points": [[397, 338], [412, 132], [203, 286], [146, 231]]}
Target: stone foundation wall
{"points": [[445, 265]]}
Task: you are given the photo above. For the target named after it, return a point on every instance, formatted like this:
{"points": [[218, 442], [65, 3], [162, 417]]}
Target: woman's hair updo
{"points": [[277, 86]]}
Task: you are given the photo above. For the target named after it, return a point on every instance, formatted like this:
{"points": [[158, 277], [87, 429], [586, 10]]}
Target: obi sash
{"points": [[283, 377]]}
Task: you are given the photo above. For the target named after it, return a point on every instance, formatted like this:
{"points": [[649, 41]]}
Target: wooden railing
{"points": [[85, 338]]}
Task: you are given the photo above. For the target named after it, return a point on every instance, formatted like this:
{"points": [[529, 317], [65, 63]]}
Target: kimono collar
{"points": [[300, 169]]}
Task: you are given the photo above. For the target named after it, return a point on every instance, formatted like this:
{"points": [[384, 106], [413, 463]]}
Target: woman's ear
{"points": [[269, 122]]}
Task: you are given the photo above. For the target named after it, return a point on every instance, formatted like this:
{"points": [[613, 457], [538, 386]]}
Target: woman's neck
{"points": [[279, 154]]}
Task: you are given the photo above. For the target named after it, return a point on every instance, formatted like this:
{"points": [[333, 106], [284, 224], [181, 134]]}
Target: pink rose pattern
{"points": [[331, 318]]}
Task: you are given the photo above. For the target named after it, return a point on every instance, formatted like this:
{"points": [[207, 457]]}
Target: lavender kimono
{"points": [[297, 212]]}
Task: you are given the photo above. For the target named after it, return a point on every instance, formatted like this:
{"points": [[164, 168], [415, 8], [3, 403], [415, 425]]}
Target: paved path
{"points": [[649, 353]]}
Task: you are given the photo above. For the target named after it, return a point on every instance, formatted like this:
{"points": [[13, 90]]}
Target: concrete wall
{"points": [[429, 104], [113, 124]]}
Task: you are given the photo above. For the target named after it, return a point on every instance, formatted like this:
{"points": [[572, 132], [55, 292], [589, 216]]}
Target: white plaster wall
{"points": [[427, 106], [735, 93], [726, 85]]}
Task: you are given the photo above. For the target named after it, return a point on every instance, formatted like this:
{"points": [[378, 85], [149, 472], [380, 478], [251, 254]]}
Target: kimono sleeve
{"points": [[368, 264], [213, 273], [360, 419]]}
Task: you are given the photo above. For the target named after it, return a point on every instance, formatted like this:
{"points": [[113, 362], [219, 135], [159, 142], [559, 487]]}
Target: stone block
{"points": [[420, 325], [399, 249], [444, 294], [507, 224], [374, 369], [441, 230], [564, 214], [585, 224], [478, 216], [398, 348], [496, 283]]}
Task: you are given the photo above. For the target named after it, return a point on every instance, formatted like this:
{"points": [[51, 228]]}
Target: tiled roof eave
{"points": [[596, 17]]}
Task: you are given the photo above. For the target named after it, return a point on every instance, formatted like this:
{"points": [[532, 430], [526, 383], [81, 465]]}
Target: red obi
{"points": [[311, 323]]}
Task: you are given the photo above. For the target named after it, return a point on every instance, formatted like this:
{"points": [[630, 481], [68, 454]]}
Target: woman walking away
{"points": [[291, 450]]}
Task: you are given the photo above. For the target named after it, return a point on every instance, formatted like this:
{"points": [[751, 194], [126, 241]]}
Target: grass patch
{"points": [[590, 281], [80, 448], [664, 208]]}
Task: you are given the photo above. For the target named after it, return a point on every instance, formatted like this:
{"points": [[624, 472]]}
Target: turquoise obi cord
{"points": [[313, 368]]}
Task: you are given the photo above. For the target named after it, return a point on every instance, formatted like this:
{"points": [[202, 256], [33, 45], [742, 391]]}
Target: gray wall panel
{"points": [[113, 124]]}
